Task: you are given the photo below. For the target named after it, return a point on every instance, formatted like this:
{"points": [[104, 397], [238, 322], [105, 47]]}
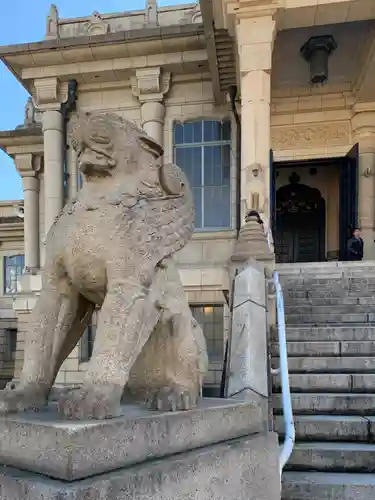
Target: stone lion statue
{"points": [[112, 247]]}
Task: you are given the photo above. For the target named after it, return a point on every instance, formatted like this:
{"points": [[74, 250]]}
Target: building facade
{"points": [[267, 105]]}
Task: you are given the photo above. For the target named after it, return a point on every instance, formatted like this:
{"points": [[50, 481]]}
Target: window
{"points": [[88, 338], [13, 270], [211, 319], [10, 345], [203, 150]]}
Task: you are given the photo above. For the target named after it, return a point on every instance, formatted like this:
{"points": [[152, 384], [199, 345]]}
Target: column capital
{"points": [[253, 8], [255, 38], [363, 130], [236, 10], [28, 164], [150, 84], [49, 93]]}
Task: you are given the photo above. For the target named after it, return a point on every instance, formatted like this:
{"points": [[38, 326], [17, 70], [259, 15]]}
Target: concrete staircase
{"points": [[330, 317]]}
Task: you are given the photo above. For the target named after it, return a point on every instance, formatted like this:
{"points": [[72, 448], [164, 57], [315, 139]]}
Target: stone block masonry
{"points": [[215, 451]]}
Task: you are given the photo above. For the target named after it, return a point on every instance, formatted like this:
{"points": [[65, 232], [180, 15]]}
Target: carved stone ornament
{"points": [[52, 23], [29, 112], [150, 84], [112, 248], [327, 134], [151, 13], [97, 25], [252, 240], [256, 169], [193, 16]]}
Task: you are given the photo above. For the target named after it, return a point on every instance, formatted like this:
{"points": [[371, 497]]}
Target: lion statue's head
{"points": [[110, 145]]}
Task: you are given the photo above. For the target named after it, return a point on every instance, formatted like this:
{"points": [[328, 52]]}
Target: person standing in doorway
{"points": [[355, 246]]}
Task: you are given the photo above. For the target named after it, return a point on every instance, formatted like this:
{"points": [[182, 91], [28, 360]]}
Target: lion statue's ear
{"points": [[172, 179]]}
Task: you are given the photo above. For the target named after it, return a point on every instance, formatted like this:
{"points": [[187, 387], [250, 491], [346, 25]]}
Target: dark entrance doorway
{"points": [[299, 213], [300, 224]]}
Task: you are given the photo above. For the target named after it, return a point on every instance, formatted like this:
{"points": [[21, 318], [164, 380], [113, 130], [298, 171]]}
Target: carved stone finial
{"points": [[29, 112], [52, 28], [252, 241], [151, 13], [97, 25]]}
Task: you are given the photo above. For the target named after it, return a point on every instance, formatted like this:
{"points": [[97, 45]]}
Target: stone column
{"points": [[255, 37], [28, 166], [53, 166], [363, 125], [48, 99], [150, 86], [152, 115]]}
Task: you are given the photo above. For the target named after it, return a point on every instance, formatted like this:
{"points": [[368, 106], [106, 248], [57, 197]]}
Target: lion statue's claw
{"points": [[94, 402], [173, 399]]}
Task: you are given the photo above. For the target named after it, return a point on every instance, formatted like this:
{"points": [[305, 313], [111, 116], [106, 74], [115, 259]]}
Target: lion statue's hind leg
{"points": [[168, 374]]}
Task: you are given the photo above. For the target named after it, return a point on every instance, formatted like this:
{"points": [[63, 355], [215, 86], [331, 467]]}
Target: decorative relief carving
{"points": [[52, 24], [29, 112], [150, 84], [151, 13], [97, 25], [315, 135], [193, 16]]}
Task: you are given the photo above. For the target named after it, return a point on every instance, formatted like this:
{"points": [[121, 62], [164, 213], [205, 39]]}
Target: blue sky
{"points": [[25, 21]]}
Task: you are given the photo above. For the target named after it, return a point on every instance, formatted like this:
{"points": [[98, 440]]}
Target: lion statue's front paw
{"points": [[91, 402], [173, 399], [21, 399]]}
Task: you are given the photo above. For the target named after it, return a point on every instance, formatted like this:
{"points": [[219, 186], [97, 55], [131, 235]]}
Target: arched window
{"points": [[203, 150]]}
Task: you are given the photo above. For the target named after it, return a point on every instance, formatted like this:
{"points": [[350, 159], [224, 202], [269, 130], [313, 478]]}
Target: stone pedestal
{"points": [[214, 451], [248, 367]]}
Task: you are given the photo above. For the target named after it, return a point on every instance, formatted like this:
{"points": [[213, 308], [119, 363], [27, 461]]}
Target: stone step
{"points": [[331, 278], [328, 428], [308, 309], [327, 292], [322, 364], [326, 348], [323, 486], [329, 317], [331, 403], [350, 284], [357, 333], [322, 456], [321, 382], [335, 301]]}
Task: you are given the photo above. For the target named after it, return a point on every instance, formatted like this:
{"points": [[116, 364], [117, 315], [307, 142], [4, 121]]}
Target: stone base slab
{"points": [[46, 444], [241, 469]]}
